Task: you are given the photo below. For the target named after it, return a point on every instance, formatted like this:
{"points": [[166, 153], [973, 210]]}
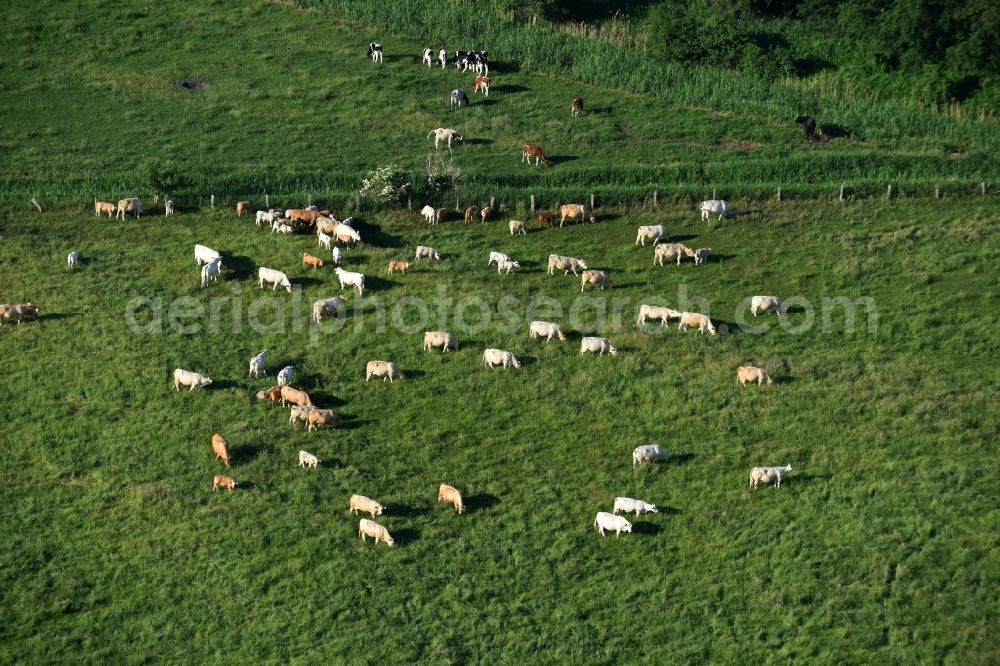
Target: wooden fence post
{"points": [[493, 203], [456, 200], [714, 195], [779, 194], [310, 199], [937, 191], [841, 197], [655, 202], [888, 193], [213, 202], [532, 203], [983, 187], [267, 201], [357, 203], [409, 203], [592, 206]]}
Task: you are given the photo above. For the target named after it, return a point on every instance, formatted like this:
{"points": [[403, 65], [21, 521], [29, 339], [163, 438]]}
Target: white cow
{"points": [[210, 271], [168, 208], [611, 522], [545, 329], [307, 459], [300, 413], [628, 505], [206, 255], [715, 207], [347, 233], [428, 252], [599, 346], [765, 303], [428, 212], [497, 257], [356, 280], [273, 277], [324, 240], [495, 357], [267, 217], [508, 265], [326, 306], [428, 58], [702, 322], [258, 364], [285, 375], [444, 134], [442, 339], [701, 255], [188, 378], [335, 255], [443, 58], [655, 233], [566, 264], [73, 259], [648, 454], [655, 312], [766, 475]]}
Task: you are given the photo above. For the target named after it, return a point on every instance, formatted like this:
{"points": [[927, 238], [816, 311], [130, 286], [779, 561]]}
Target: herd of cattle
{"points": [[330, 230]]}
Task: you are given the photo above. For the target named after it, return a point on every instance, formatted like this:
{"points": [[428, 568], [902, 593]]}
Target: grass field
{"points": [[881, 547]]}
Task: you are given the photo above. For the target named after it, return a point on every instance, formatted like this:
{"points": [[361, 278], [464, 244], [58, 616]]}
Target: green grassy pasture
{"points": [[880, 548]]}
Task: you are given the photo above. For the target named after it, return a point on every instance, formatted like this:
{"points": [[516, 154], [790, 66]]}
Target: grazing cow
{"points": [[309, 260], [293, 396], [655, 312], [300, 413], [485, 214], [450, 495], [765, 303], [517, 227], [598, 346], [307, 459], [715, 207], [375, 52], [471, 213], [187, 378], [749, 373], [242, 207], [700, 255], [273, 277], [462, 60], [326, 225], [361, 503], [18, 312], [224, 482], [335, 256], [441, 339], [495, 357], [133, 205], [369, 528], [508, 265], [428, 252], [767, 475], [347, 234], [267, 217], [702, 322], [576, 107], [400, 266], [104, 207], [566, 264], [496, 257], [457, 98], [440, 215], [545, 329], [206, 255], [323, 239], [669, 251], [444, 134], [428, 58], [73, 258], [648, 454], [596, 278], [546, 219], [221, 448], [809, 125], [322, 417], [210, 271], [627, 504], [655, 232], [258, 364], [273, 394], [282, 229], [534, 151], [384, 369], [356, 280], [285, 375], [327, 306], [482, 83], [428, 213], [168, 208], [576, 212], [443, 58], [610, 522]]}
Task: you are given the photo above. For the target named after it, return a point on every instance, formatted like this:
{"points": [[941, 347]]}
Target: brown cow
{"points": [[482, 83], [309, 260], [293, 396], [221, 448], [400, 266], [242, 207], [306, 216], [546, 220], [322, 417], [18, 311], [486, 213], [224, 481], [470, 214], [576, 107], [536, 152], [104, 207]]}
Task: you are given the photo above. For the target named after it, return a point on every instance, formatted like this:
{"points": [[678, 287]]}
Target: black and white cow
{"points": [[375, 51], [427, 57], [458, 96], [443, 58]]}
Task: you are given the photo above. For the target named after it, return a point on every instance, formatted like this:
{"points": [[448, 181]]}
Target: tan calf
{"points": [[400, 266], [471, 213], [293, 396], [749, 373], [309, 260], [221, 448], [223, 481], [242, 207], [450, 495], [104, 207]]}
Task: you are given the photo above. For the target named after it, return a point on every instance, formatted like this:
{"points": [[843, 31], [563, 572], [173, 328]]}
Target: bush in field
{"points": [[441, 174], [385, 185]]}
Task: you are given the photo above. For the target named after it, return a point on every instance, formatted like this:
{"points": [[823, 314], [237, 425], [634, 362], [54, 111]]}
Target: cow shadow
{"points": [[245, 453], [561, 159], [478, 142], [680, 238], [719, 258], [239, 267], [626, 285], [805, 478], [350, 423], [404, 511], [222, 384], [650, 529], [373, 235], [56, 316], [722, 327], [668, 511], [784, 380], [375, 283], [405, 535], [480, 502], [321, 397], [413, 374], [305, 281], [796, 309], [834, 131], [244, 485], [607, 217], [483, 102], [680, 458], [526, 360], [509, 89]]}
